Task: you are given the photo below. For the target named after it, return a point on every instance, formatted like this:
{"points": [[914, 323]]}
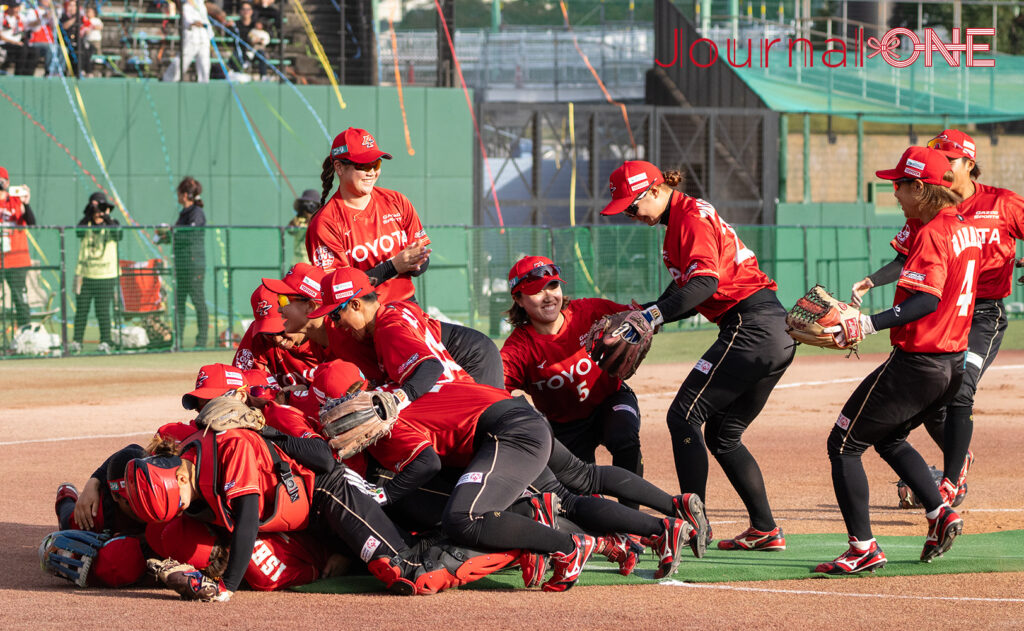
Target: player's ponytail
{"points": [[327, 178], [672, 178]]}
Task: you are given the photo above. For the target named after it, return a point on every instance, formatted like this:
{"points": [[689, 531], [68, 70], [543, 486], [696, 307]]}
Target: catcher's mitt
{"points": [[69, 554], [907, 497], [819, 319], [355, 421], [619, 342], [227, 412], [187, 581]]}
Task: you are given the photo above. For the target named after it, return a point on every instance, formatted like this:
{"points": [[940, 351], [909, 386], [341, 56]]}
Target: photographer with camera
{"points": [[14, 257], [96, 272]]}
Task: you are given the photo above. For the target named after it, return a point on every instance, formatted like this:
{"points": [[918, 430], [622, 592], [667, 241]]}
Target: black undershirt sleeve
{"points": [[890, 272], [678, 302], [385, 270], [917, 306], [423, 378], [418, 472], [246, 512], [312, 453]]}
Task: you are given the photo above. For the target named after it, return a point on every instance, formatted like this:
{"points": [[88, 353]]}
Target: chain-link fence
{"points": [[138, 289]]}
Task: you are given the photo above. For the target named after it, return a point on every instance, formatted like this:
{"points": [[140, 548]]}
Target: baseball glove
{"points": [[355, 421], [819, 319], [187, 581], [69, 554], [227, 412], [907, 497], [619, 342]]}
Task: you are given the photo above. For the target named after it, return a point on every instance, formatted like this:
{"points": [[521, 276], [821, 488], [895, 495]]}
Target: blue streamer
{"points": [[298, 93], [163, 139]]}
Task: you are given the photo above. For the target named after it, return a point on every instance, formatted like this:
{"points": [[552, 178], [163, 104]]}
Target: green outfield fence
{"points": [[167, 280]]}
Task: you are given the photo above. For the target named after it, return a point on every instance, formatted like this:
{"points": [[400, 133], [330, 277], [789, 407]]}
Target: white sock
{"points": [[935, 513], [862, 546]]}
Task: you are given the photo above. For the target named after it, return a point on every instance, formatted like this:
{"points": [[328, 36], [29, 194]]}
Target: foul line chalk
{"points": [[803, 384], [675, 583], [63, 438]]}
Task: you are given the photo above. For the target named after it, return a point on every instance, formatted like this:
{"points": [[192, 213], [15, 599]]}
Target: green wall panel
{"points": [[152, 134]]}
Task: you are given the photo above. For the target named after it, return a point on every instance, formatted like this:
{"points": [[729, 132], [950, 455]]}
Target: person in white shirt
{"points": [[195, 44]]}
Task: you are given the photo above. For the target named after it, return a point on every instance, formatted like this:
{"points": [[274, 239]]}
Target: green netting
{"points": [[167, 297]]}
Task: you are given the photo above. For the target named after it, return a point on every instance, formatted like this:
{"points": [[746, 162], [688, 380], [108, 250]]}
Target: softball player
{"points": [[716, 275], [408, 352], [998, 215], [545, 358], [265, 345], [377, 230], [929, 322]]}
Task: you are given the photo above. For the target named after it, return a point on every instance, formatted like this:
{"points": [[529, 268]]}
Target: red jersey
{"points": [[341, 236], [13, 243], [446, 416], [243, 466], [998, 215], [700, 243], [259, 351], [555, 370], [943, 261]]}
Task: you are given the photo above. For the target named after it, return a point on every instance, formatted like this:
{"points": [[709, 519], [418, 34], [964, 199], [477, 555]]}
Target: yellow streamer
{"points": [[319, 50], [572, 200], [398, 84]]}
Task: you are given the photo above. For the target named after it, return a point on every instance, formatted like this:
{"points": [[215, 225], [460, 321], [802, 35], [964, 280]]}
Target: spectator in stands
{"points": [[21, 56], [92, 28], [70, 20], [259, 39], [189, 258], [304, 208], [14, 255], [270, 15], [96, 272], [241, 27], [39, 22], [196, 44]]}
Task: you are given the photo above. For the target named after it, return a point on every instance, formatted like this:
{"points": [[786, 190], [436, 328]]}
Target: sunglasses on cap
{"points": [[335, 315], [633, 209], [534, 274], [284, 301], [363, 166], [942, 144]]}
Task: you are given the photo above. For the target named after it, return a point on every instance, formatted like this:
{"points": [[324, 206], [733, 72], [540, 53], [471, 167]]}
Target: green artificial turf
{"points": [[988, 552]]}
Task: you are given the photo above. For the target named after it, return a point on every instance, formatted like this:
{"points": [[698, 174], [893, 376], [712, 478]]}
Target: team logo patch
{"points": [[229, 486], [703, 366], [367, 140], [409, 362], [910, 171], [245, 359], [262, 309], [639, 177], [233, 378], [473, 477], [323, 257], [626, 408], [201, 379], [915, 164], [371, 545], [843, 422], [903, 235], [918, 276]]}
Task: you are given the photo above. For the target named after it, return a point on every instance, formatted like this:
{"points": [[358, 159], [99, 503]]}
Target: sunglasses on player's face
{"points": [[335, 315], [633, 209], [363, 166], [533, 274], [284, 301]]}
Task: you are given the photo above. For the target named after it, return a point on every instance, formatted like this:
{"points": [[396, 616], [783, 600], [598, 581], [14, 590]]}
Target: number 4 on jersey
{"points": [[966, 297]]}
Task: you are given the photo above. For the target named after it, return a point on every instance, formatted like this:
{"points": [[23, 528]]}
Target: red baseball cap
{"points": [[257, 377], [628, 181], [118, 563], [212, 381], [3, 174], [176, 432], [954, 143], [264, 310], [183, 538], [919, 163], [340, 286], [356, 145], [302, 279], [153, 492], [531, 274], [334, 379]]}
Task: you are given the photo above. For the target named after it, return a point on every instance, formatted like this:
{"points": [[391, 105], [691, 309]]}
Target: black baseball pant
{"points": [[475, 352], [724, 392], [894, 398]]}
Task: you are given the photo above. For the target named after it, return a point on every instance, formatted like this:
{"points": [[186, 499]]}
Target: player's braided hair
{"points": [[518, 317], [327, 178]]}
